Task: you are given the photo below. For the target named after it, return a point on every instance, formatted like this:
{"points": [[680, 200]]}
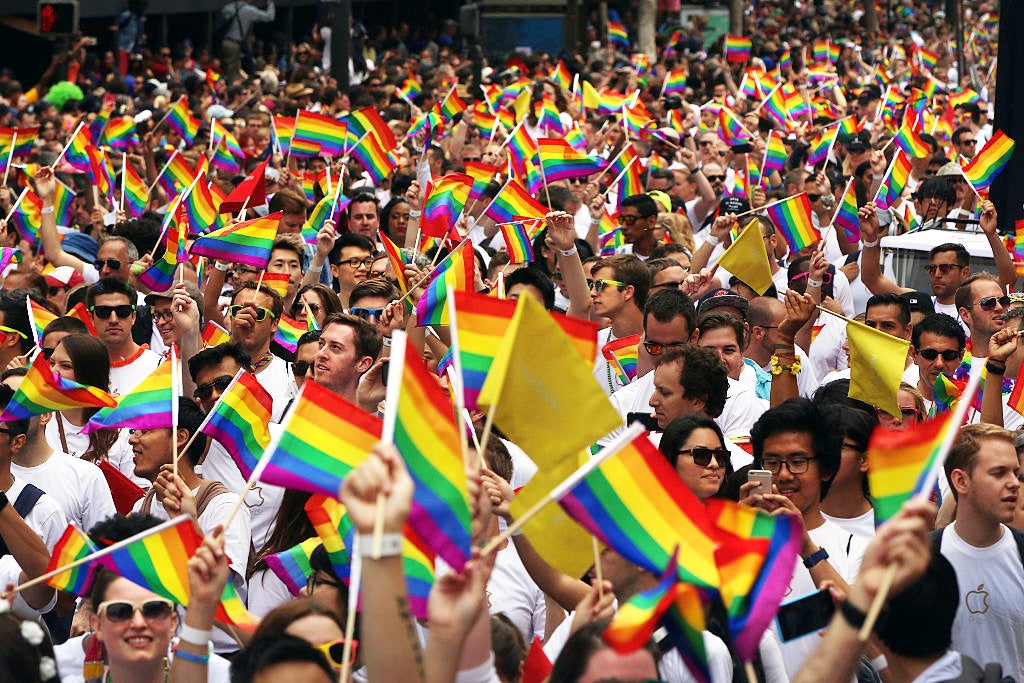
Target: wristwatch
{"points": [[816, 557]]}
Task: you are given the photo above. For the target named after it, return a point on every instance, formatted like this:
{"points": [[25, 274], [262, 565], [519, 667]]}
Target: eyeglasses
{"points": [[261, 312], [120, 611], [203, 392], [932, 354], [163, 315], [702, 455], [468, 159], [599, 285], [123, 311], [629, 220], [813, 198], [988, 303], [300, 367], [967, 142], [111, 263], [11, 330], [335, 650], [905, 414], [797, 465], [370, 314], [356, 262], [656, 348], [943, 268], [713, 178]]}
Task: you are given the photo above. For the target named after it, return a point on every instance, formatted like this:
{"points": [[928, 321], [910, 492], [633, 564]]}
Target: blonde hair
{"points": [[678, 227]]}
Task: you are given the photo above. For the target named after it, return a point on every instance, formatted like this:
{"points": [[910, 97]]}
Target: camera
{"points": [[673, 102]]}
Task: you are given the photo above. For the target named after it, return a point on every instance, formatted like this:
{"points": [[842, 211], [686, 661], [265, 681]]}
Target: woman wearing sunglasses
{"points": [[307, 620], [322, 302]]}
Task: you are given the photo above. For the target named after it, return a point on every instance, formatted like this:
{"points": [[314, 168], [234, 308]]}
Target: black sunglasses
{"points": [[702, 455], [123, 311], [988, 303], [204, 391], [932, 354], [111, 263], [713, 178], [300, 367]]}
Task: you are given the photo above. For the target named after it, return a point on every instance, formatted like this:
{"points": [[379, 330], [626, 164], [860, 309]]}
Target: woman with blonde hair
{"points": [[676, 227]]}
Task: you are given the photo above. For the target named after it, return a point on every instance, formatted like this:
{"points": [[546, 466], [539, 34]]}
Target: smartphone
{"points": [[742, 148], [805, 615], [646, 419], [763, 479]]}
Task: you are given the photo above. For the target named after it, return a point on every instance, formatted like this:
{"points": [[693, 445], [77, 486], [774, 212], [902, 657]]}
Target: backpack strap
{"points": [[1018, 538], [936, 537], [23, 505], [147, 501], [208, 490]]}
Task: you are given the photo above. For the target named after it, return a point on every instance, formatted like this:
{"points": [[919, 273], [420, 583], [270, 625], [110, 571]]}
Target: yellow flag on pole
{"points": [[521, 105], [544, 394], [877, 362], [747, 258]]}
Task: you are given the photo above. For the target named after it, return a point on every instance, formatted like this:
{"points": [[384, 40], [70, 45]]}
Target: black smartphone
{"points": [[742, 148], [805, 615], [646, 419]]}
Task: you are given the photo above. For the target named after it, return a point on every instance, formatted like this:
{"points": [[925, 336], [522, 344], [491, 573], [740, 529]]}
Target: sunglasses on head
{"points": [[204, 391], [119, 611], [368, 314], [122, 311], [111, 263], [932, 354], [261, 312], [335, 652], [702, 455], [988, 303]]}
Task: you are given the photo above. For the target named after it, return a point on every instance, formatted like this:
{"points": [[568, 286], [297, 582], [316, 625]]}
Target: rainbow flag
{"points": [[311, 324], [8, 256], [792, 218], [561, 75], [181, 119], [375, 159], [288, 332], [989, 161], [239, 421], [576, 139], [176, 174], [120, 133], [292, 565], [158, 560], [513, 201], [908, 139], [317, 135], [397, 259], [637, 120], [224, 160], [522, 151], [27, 218], [737, 49], [819, 50], [249, 242], [484, 121], [230, 142], [328, 208], [636, 504], [325, 437], [481, 323], [611, 101], [774, 156], [80, 312], [40, 317], [623, 353], [136, 192], [159, 277], [452, 105], [894, 182], [422, 427], [148, 406], [946, 393], [517, 241], [966, 96], [367, 119], [99, 170], [456, 271], [559, 160], [756, 557], [1016, 398], [684, 621], [76, 155], [899, 462], [203, 216], [99, 124], [638, 617], [214, 334], [730, 129], [409, 90], [822, 145], [617, 34], [547, 116], [675, 81], [776, 106], [282, 128], [631, 182], [26, 138], [482, 175], [334, 529], [444, 203], [277, 281], [611, 241], [73, 545], [846, 217], [44, 391]]}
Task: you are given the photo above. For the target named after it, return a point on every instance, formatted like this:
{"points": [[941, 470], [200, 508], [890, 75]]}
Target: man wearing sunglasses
{"points": [[254, 316], [619, 292], [15, 330], [112, 304], [982, 302], [637, 215], [937, 343]]}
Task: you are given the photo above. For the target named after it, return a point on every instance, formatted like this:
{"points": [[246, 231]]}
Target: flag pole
{"points": [[124, 175], [558, 492], [424, 279], [67, 145], [10, 157], [460, 397], [160, 174], [14, 207]]}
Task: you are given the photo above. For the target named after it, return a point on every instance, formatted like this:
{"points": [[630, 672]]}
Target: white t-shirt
{"points": [[46, 518], [835, 540], [604, 373], [523, 466], [10, 574], [511, 591], [120, 454], [79, 487], [276, 377], [124, 378], [989, 624], [826, 352], [267, 591], [862, 526]]}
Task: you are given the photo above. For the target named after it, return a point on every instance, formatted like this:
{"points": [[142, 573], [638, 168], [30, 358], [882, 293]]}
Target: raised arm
{"points": [[562, 238], [46, 186], [1001, 346], [207, 576], [1004, 264], [871, 257], [799, 309]]}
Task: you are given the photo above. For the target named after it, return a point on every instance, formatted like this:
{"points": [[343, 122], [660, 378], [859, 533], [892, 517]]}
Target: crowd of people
{"points": [[729, 377]]}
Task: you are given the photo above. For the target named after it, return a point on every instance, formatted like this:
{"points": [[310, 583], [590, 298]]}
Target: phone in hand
{"points": [[763, 479], [805, 615]]}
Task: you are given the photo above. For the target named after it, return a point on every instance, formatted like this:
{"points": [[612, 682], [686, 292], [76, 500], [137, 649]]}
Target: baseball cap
{"points": [[722, 297], [734, 205], [190, 287], [919, 302], [64, 276]]}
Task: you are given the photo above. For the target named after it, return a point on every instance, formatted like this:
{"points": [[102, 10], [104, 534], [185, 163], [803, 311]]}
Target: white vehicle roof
{"points": [[924, 240]]}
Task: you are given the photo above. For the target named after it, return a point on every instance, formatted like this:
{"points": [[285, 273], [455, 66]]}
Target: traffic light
{"points": [[58, 17]]}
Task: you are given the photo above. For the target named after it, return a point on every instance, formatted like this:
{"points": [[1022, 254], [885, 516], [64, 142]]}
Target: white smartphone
{"points": [[763, 479]]}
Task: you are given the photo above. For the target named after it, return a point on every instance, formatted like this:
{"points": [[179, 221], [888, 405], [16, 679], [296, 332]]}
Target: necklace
{"points": [[264, 360]]}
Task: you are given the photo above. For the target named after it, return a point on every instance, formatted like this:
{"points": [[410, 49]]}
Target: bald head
{"points": [[765, 310]]}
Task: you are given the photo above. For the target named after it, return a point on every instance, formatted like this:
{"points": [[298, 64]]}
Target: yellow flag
{"points": [[544, 393], [877, 361], [591, 100], [747, 259], [521, 105], [562, 542]]}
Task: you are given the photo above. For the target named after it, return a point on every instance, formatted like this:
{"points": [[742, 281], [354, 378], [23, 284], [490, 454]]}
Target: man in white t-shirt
{"points": [[802, 451], [619, 293], [112, 303], [254, 318], [847, 503], [981, 470]]}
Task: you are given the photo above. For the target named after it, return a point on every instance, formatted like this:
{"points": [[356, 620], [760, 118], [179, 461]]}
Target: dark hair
{"points": [[853, 425], [350, 239], [108, 532], [666, 304], [374, 287], [309, 337], [837, 392], [264, 653], [963, 257], [19, 659], [277, 620], [66, 324], [213, 355], [12, 305], [533, 277], [285, 243], [716, 320], [328, 298], [367, 340], [109, 285], [704, 376], [679, 430], [291, 527], [936, 594], [580, 647], [801, 416], [16, 426], [508, 646], [939, 324], [498, 459], [629, 270], [276, 302], [644, 204], [964, 297], [288, 201], [891, 299], [190, 417]]}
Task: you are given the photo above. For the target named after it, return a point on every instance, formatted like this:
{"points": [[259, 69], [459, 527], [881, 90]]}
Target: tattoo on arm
{"points": [[410, 632]]}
